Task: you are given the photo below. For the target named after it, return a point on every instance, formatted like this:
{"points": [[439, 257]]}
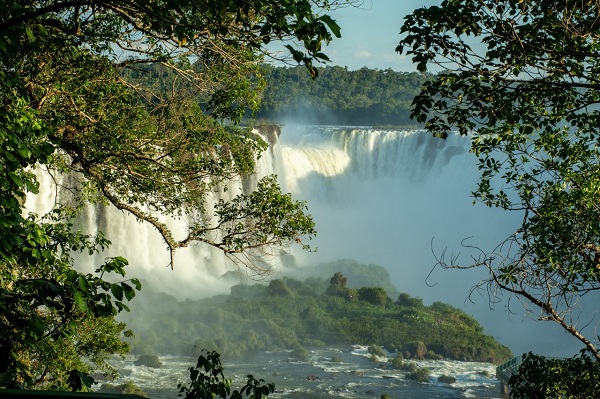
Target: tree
{"points": [[278, 287], [86, 348], [56, 322], [337, 286], [373, 295], [338, 279], [157, 149], [539, 377], [361, 97], [405, 299], [521, 78]]}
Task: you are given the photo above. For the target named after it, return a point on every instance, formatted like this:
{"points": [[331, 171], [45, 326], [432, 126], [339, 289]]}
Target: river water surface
{"points": [[355, 376]]}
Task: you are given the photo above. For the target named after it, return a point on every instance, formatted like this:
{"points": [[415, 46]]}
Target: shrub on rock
{"points": [[446, 379], [148, 361]]}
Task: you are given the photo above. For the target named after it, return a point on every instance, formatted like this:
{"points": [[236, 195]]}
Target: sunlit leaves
{"points": [[41, 305], [525, 90], [72, 104], [266, 216]]}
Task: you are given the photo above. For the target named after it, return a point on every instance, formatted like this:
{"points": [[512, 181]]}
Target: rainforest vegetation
{"points": [[340, 96], [521, 79], [68, 108], [295, 314]]}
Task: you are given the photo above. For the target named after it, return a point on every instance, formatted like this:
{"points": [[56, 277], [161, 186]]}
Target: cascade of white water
{"points": [[198, 267], [381, 185], [377, 196]]}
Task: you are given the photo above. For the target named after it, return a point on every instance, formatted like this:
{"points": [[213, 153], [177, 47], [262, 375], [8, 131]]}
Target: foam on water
{"points": [[354, 377]]}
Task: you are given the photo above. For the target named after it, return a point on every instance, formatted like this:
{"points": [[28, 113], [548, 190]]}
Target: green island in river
{"points": [[355, 304]]}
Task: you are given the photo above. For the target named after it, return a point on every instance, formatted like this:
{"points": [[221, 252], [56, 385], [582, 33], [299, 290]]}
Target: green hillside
{"points": [[292, 313]]}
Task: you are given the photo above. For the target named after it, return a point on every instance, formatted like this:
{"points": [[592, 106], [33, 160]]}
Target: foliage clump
{"points": [[398, 362], [133, 105], [300, 354], [416, 373], [520, 78], [415, 349], [149, 361], [377, 350], [373, 295], [539, 377], [207, 381], [341, 96]]}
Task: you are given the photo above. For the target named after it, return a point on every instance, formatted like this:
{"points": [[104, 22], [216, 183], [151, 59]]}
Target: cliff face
{"points": [[270, 131]]}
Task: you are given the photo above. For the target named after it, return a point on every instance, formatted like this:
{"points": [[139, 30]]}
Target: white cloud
{"points": [[362, 53]]}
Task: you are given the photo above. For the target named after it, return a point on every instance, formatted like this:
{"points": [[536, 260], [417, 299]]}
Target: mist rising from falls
{"points": [[380, 196], [198, 268]]}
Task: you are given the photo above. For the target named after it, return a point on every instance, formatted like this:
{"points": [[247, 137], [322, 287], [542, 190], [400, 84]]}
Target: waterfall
{"points": [[377, 196]]}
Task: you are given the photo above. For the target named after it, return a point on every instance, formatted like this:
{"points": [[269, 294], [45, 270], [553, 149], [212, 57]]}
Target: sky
{"points": [[370, 34]]}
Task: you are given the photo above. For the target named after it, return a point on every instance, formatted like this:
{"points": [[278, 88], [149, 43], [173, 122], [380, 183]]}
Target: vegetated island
{"points": [[295, 314]]}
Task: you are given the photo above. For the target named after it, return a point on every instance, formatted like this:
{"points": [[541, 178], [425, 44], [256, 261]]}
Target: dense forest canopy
{"points": [[340, 96], [521, 78]]}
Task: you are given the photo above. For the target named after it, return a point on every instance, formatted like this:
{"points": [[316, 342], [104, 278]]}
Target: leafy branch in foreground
{"points": [[538, 377], [158, 149], [521, 78], [207, 381], [56, 322]]}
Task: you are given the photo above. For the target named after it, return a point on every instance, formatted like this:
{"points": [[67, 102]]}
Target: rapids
{"points": [[355, 376]]}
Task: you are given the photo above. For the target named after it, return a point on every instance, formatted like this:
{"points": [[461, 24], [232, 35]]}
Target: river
{"points": [[355, 376]]}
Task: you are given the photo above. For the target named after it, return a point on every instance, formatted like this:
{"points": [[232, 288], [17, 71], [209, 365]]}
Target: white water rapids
{"points": [[352, 376]]}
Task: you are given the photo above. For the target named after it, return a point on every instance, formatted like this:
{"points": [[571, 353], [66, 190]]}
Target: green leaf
{"points": [[37, 326], [128, 290], [16, 179], [30, 35], [332, 25], [79, 380], [136, 283], [122, 307], [80, 301], [117, 291], [84, 284]]}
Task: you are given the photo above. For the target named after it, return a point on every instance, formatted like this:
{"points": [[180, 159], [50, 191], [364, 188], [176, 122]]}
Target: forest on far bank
{"points": [[363, 97]]}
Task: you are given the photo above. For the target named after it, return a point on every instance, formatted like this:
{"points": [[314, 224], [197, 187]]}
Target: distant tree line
{"points": [[340, 96]]}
